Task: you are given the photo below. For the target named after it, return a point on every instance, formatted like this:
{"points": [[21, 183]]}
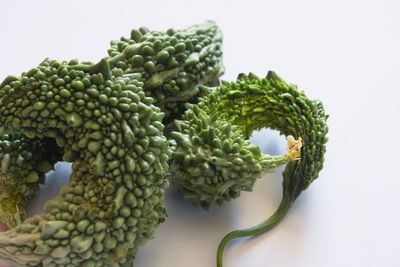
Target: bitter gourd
{"points": [[213, 162]]}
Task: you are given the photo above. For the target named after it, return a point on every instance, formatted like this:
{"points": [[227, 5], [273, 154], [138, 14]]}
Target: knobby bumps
{"points": [[109, 120]]}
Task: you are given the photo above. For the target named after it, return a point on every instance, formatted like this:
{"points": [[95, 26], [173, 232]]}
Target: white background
{"points": [[345, 53]]}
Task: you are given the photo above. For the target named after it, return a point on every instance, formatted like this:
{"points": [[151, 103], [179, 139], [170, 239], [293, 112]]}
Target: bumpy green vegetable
{"points": [[194, 58], [173, 64], [112, 133], [213, 163]]}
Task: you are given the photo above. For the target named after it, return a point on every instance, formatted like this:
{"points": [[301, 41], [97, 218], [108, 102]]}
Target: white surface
{"points": [[345, 53]]}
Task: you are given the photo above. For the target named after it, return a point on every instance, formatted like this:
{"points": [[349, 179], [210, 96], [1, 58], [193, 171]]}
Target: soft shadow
{"points": [[287, 237], [55, 179], [192, 232], [270, 141]]}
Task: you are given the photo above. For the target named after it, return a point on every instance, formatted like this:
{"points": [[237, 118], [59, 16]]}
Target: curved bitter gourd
{"points": [[173, 64], [213, 163], [112, 133], [185, 59]]}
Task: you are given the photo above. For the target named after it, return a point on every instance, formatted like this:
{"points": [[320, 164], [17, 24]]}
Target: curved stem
{"points": [[268, 224]]}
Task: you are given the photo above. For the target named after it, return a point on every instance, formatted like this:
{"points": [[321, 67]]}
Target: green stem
{"points": [[270, 164], [268, 224]]}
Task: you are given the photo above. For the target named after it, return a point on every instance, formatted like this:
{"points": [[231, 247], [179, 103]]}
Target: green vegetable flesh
{"points": [[173, 64], [114, 199], [213, 163]]}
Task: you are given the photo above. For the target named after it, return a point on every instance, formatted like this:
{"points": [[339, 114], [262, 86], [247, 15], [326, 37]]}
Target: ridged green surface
{"points": [[103, 118], [292, 113], [194, 58], [112, 133], [173, 64], [213, 162], [24, 163]]}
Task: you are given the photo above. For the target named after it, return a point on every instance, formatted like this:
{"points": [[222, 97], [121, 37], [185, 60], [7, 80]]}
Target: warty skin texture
{"points": [[211, 151], [112, 133], [194, 58], [173, 64], [213, 162], [24, 164]]}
